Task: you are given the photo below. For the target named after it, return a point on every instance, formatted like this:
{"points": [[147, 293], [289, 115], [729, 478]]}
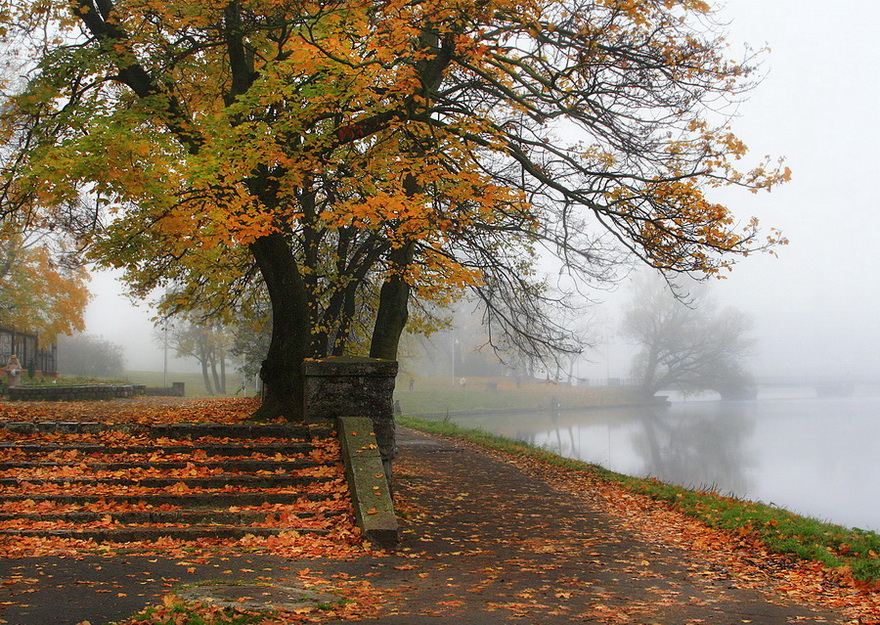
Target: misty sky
{"points": [[816, 307]]}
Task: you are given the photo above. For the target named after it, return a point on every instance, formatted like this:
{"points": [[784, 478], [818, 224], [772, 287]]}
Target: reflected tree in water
{"points": [[700, 451]]}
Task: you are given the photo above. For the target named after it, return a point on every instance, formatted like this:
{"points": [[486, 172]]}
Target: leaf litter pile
{"points": [[177, 479]]}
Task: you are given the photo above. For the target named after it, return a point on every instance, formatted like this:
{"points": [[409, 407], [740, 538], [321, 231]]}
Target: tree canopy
{"points": [[355, 155]]}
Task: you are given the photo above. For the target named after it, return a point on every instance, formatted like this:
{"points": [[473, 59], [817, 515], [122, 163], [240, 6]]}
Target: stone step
{"points": [[268, 449], [56, 427], [212, 482], [129, 507], [136, 534], [242, 465], [177, 517], [244, 430], [216, 499], [176, 430]]}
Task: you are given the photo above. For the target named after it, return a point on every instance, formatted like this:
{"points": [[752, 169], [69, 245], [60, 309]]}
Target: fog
{"points": [[114, 317], [816, 306]]}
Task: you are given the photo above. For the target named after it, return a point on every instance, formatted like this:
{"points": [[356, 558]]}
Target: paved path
{"points": [[482, 543], [501, 547]]}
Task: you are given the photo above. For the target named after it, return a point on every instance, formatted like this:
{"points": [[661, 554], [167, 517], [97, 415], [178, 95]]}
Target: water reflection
{"points": [[701, 451], [695, 449]]}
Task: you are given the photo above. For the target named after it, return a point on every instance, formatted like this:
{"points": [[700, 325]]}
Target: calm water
{"points": [[817, 457]]}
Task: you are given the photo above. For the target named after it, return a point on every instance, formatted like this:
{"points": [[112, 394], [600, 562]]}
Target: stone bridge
{"points": [[824, 385]]}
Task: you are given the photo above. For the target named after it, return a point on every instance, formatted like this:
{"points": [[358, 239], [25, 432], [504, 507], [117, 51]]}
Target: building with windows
{"points": [[26, 346]]}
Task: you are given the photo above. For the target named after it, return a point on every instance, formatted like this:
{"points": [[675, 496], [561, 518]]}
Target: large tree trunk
{"points": [[391, 318], [205, 377], [393, 309], [282, 369]]}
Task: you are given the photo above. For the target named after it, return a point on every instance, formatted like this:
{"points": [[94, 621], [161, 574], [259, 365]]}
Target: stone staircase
{"points": [[126, 483]]}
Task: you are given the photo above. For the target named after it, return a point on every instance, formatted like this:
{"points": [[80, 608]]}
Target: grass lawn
{"points": [[436, 396]]}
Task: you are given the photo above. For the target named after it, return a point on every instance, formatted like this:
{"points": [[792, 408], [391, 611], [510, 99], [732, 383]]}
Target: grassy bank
{"points": [[853, 550], [433, 396]]}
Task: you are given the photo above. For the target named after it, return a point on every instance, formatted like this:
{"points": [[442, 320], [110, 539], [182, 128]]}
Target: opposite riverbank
{"points": [[437, 397]]}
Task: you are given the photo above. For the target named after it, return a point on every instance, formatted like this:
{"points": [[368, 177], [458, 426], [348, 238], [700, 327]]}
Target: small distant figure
{"points": [[462, 383], [13, 371], [412, 383]]}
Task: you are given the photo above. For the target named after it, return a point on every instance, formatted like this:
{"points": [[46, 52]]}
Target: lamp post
{"points": [[454, 343], [165, 354]]}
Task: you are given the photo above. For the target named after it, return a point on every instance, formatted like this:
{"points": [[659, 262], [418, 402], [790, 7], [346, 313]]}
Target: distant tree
{"points": [[90, 356], [206, 341], [687, 345]]}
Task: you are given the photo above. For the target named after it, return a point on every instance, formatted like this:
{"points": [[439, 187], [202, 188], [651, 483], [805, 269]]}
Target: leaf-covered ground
{"points": [[58, 480], [487, 538], [737, 556]]}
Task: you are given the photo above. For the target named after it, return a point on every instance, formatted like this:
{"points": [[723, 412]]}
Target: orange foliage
{"points": [[428, 140], [37, 294]]}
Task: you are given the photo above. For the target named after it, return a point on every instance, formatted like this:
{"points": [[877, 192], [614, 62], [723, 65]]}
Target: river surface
{"points": [[819, 457]]}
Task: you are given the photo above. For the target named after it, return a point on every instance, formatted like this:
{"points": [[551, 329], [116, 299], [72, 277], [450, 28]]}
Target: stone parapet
{"points": [[78, 392], [357, 387], [370, 490]]}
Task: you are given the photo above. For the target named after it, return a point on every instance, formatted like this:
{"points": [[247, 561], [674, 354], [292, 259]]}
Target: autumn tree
{"points": [[686, 343], [356, 156], [206, 341], [42, 289], [43, 282]]}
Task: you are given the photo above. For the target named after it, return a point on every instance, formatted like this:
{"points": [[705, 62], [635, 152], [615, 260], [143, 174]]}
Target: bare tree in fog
{"points": [[208, 342], [688, 345], [90, 356]]}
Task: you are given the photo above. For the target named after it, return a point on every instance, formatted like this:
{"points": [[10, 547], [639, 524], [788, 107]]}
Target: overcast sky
{"points": [[816, 307]]}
